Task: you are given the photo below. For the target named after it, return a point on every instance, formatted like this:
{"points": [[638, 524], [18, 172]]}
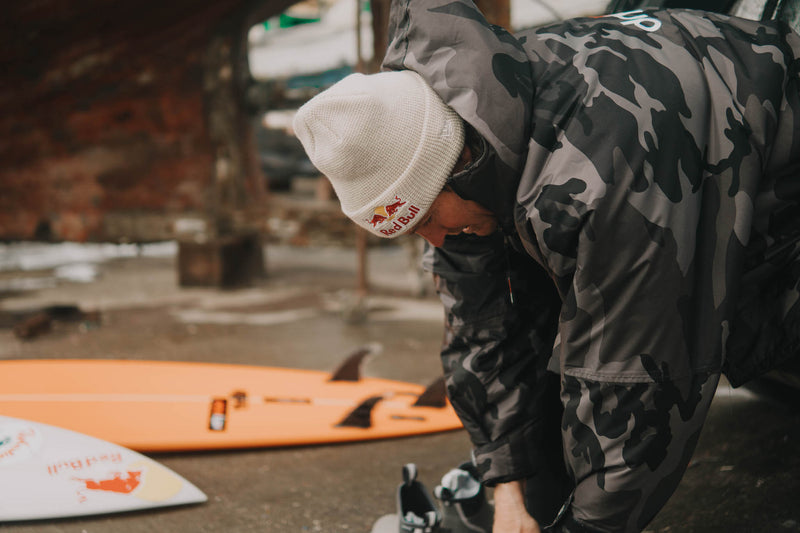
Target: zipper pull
{"points": [[508, 269]]}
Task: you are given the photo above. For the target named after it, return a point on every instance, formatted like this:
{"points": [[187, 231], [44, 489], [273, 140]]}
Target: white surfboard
{"points": [[48, 472]]}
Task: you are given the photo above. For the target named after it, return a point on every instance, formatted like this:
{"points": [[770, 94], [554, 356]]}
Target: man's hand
{"points": [[510, 515]]}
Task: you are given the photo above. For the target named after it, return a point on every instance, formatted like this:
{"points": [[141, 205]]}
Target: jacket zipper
{"points": [[506, 244]]}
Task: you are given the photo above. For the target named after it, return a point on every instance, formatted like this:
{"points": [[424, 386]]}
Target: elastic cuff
{"points": [[511, 458]]}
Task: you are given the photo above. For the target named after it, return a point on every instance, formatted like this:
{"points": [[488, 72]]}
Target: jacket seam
{"points": [[633, 377]]}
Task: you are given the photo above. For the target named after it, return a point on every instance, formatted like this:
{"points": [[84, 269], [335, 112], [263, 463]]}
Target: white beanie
{"points": [[386, 142]]}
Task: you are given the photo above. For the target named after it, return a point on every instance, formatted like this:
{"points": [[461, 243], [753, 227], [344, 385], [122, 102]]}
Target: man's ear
{"points": [[464, 159]]}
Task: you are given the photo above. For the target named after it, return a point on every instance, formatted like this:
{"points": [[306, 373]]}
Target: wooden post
{"points": [[361, 233], [380, 31]]}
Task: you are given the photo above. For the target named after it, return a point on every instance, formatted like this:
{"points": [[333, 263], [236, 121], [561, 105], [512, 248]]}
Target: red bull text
{"points": [[401, 222], [81, 463], [388, 213]]}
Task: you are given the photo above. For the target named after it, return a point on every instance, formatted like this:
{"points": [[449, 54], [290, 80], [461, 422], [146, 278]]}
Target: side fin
{"points": [[350, 369], [361, 416], [434, 396]]}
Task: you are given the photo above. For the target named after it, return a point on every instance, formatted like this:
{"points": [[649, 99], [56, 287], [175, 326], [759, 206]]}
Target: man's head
{"points": [[387, 143]]}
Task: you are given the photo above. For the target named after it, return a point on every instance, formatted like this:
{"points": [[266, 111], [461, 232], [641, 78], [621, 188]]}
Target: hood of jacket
{"points": [[483, 73]]}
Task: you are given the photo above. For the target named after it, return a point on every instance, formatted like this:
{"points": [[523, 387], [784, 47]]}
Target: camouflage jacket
{"points": [[645, 168]]}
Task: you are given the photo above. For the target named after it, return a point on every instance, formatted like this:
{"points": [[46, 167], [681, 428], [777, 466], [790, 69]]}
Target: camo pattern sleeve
{"points": [[501, 312]]}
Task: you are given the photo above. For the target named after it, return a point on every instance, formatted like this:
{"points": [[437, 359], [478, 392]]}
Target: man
{"points": [[613, 208]]}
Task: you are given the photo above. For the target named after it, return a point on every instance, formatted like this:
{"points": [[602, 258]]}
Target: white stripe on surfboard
{"points": [[176, 398]]}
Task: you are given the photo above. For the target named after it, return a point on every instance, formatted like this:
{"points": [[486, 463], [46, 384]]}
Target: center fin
{"points": [[350, 369]]}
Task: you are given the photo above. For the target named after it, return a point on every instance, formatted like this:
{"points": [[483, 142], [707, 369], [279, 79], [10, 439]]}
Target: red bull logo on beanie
{"points": [[383, 214]]}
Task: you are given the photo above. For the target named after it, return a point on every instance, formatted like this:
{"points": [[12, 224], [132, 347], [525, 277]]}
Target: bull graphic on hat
{"points": [[385, 213]]}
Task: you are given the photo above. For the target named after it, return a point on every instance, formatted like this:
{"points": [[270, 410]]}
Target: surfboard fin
{"points": [[434, 396], [361, 416], [350, 369]]}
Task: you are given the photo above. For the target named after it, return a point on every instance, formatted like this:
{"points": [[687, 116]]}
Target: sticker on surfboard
{"points": [[49, 472]]}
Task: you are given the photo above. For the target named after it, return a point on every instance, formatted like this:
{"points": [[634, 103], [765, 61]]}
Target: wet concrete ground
{"points": [[745, 476]]}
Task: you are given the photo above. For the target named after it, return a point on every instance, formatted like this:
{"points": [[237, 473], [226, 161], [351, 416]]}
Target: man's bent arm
{"points": [[495, 355]]}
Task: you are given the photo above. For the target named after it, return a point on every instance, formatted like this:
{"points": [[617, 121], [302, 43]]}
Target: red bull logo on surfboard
{"points": [[383, 214], [115, 483]]}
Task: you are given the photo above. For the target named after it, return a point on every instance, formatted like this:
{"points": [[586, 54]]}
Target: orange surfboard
{"points": [[168, 406]]}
